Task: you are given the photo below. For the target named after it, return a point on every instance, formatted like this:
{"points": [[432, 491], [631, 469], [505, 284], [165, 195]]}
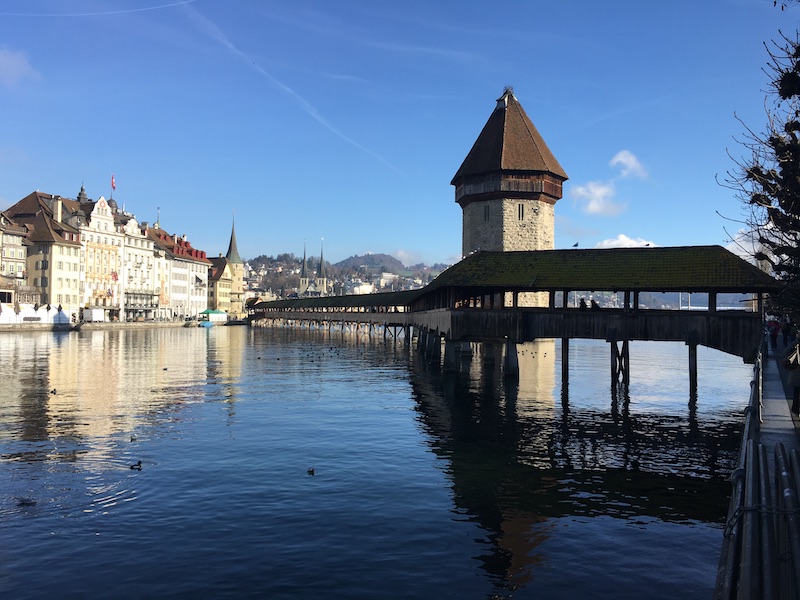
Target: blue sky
{"points": [[347, 120]]}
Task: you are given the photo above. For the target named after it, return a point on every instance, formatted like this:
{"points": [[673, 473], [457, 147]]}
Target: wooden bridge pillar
{"points": [[422, 340], [510, 359], [692, 343], [450, 356], [435, 348], [620, 365]]}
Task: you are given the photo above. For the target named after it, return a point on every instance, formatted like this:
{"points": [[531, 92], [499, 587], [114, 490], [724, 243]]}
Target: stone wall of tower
{"points": [[481, 227], [527, 225], [237, 291], [507, 225]]}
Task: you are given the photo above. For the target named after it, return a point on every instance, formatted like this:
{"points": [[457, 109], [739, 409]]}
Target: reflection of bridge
{"points": [[514, 297], [521, 461]]}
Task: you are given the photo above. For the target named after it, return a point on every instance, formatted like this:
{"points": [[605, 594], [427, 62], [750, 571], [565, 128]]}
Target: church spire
{"points": [[303, 273], [233, 252], [321, 269]]}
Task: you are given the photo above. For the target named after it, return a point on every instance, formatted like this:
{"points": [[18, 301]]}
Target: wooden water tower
{"points": [[508, 184]]}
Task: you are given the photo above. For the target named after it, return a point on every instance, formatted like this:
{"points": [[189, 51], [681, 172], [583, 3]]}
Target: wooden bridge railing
{"points": [[734, 332]]}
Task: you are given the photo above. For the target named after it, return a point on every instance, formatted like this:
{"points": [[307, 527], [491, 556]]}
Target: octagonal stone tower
{"points": [[508, 184]]}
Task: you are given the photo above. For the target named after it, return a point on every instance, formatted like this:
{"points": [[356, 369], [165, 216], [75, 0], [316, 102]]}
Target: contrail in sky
{"points": [[215, 32], [98, 14]]}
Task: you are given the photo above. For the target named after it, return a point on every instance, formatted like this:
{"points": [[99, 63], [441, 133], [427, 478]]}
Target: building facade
{"points": [[220, 277], [81, 254], [103, 244], [138, 280]]}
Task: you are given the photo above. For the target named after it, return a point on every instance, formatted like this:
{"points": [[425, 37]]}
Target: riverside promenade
{"points": [[778, 425], [761, 550]]}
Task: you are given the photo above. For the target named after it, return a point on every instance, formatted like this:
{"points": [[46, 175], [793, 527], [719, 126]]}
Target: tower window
{"points": [[486, 213], [521, 212]]}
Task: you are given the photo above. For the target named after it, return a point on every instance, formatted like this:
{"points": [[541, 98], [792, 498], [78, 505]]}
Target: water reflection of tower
{"points": [[473, 423], [535, 399]]}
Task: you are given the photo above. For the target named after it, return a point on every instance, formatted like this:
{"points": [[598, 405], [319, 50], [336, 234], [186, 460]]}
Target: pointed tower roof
{"points": [[321, 269], [303, 272], [509, 142], [233, 252]]}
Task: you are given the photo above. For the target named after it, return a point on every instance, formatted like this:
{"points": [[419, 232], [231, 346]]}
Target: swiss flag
{"points": [[113, 184]]}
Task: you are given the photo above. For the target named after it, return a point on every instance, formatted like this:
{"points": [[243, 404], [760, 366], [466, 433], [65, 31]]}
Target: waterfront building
{"points": [[138, 280], [508, 184], [236, 267], [13, 262], [85, 254], [13, 248], [54, 257], [220, 277], [103, 245], [186, 271]]}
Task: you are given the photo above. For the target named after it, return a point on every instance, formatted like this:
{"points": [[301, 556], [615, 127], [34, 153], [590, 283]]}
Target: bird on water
{"points": [[137, 466]]}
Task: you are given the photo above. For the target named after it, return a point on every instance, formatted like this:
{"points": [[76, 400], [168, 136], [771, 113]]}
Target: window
{"points": [[486, 213], [521, 212]]}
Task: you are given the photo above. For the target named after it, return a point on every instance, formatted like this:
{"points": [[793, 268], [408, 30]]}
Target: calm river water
{"points": [[423, 485]]}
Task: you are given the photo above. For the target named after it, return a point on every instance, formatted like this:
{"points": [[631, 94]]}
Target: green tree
{"points": [[768, 179]]}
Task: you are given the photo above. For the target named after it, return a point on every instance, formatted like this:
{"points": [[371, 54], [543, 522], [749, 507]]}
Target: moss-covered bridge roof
{"points": [[685, 268]]}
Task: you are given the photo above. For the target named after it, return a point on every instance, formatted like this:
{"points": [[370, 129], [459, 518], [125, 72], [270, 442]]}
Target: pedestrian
{"points": [[786, 328], [791, 362], [774, 328]]}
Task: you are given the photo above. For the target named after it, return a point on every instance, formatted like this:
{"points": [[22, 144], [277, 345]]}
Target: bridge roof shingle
{"points": [[509, 141], [684, 268]]}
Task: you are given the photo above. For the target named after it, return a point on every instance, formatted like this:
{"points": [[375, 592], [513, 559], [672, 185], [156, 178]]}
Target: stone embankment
{"points": [[37, 327]]}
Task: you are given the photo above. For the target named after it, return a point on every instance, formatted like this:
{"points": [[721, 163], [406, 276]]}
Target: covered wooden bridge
{"points": [[516, 297]]}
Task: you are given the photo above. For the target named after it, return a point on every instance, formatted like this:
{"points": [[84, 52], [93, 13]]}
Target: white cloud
{"points": [[623, 241], [598, 198], [745, 244], [629, 164], [15, 68], [408, 257]]}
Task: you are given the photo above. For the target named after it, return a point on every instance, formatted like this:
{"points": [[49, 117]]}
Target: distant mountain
{"points": [[383, 263]]}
